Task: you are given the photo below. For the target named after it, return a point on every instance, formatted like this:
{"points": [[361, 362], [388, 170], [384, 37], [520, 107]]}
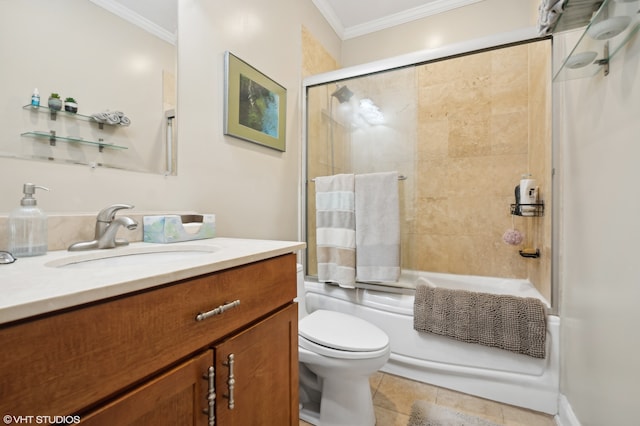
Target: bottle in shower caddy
{"points": [[28, 226], [528, 195]]}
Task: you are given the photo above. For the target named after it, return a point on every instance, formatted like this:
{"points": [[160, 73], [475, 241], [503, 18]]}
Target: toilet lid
{"points": [[341, 331]]}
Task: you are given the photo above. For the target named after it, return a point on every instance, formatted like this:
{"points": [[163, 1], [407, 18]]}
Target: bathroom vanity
{"points": [[209, 339]]}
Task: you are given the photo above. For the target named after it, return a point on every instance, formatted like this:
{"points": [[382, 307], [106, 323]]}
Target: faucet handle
{"points": [[108, 213]]}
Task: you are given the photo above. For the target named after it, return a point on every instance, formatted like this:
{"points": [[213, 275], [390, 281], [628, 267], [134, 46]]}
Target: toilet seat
{"points": [[339, 335]]}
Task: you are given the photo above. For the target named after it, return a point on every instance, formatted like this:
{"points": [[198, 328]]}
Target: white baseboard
{"points": [[565, 416]]}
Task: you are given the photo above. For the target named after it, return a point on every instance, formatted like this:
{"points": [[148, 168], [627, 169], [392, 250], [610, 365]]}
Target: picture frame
{"points": [[255, 106]]}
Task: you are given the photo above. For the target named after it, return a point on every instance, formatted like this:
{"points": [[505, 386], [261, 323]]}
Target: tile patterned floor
{"points": [[393, 397]]}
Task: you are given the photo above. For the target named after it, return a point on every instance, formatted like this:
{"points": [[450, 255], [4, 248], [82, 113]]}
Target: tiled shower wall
{"points": [[479, 122], [484, 120]]}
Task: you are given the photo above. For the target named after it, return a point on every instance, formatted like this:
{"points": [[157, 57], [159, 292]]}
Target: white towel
{"points": [[125, 121], [377, 227], [112, 117], [335, 229], [549, 12]]}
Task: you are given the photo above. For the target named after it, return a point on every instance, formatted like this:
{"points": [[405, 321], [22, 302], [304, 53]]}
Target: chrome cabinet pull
{"points": [[231, 381], [211, 396], [217, 311]]}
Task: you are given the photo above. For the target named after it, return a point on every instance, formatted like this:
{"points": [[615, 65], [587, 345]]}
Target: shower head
{"points": [[343, 94]]}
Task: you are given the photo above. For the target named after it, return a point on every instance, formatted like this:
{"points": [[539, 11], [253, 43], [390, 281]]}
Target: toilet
{"points": [[337, 354]]}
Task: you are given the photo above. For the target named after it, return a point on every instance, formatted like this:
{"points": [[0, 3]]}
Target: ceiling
{"points": [[161, 12], [353, 18], [159, 17], [348, 18]]}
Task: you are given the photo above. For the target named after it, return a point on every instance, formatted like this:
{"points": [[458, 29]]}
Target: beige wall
{"points": [[78, 49], [474, 21], [597, 133], [253, 190]]}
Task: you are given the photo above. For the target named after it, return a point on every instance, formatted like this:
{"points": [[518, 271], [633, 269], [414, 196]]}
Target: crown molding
{"points": [[428, 9], [136, 19], [330, 15]]}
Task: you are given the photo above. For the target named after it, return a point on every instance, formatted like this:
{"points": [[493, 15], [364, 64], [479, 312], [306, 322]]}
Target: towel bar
{"points": [[400, 177]]}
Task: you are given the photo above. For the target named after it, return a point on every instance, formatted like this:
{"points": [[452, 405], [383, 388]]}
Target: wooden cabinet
{"points": [[176, 397], [143, 358], [262, 364]]}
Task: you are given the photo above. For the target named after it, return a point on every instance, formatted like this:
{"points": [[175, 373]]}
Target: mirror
{"points": [[118, 65], [461, 131]]}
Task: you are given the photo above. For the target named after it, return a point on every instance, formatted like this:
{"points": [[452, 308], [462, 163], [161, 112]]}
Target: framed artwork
{"points": [[255, 106]]}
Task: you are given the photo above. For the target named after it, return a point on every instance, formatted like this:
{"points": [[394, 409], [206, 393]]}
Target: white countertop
{"points": [[34, 285]]}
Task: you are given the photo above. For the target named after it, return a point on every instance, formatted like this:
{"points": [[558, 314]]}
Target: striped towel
{"points": [[335, 229], [377, 227]]}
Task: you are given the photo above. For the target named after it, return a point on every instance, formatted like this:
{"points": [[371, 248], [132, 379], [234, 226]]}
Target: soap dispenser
{"points": [[28, 226], [528, 195]]}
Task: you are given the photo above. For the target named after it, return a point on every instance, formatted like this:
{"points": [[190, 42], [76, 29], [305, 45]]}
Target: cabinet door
{"points": [[257, 373], [176, 398]]}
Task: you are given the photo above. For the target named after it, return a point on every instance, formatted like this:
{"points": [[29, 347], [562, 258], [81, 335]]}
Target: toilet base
{"points": [[353, 407], [310, 414]]}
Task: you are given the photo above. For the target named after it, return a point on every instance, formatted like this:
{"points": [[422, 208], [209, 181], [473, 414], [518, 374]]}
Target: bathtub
{"points": [[487, 372]]}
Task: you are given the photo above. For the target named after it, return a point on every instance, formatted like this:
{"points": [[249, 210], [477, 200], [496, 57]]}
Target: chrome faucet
{"points": [[107, 226]]}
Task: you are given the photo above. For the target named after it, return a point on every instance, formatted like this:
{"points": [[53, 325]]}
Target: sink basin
{"points": [[132, 256]]}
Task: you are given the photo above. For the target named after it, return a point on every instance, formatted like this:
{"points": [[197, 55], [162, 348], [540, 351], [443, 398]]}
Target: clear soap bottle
{"points": [[28, 226]]}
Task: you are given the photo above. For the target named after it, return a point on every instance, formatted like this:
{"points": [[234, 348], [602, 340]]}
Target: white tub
{"points": [[487, 372]]}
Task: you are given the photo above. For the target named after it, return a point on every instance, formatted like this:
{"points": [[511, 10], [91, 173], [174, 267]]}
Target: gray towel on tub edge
{"points": [[517, 324]]}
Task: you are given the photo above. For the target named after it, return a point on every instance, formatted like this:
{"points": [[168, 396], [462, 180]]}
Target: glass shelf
{"points": [[608, 31], [53, 138], [53, 114]]}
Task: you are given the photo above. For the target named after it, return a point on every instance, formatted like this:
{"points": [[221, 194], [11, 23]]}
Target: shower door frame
{"points": [[413, 59]]}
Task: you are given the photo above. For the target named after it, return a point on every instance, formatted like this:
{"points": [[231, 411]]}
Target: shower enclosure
{"points": [[460, 129]]}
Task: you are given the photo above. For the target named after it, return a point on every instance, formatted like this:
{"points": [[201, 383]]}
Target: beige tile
{"points": [[493, 175], [374, 382], [432, 254], [434, 217], [394, 396], [433, 139], [469, 133], [516, 416], [431, 178], [462, 68], [315, 58], [509, 133], [386, 417], [469, 404], [398, 394]]}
